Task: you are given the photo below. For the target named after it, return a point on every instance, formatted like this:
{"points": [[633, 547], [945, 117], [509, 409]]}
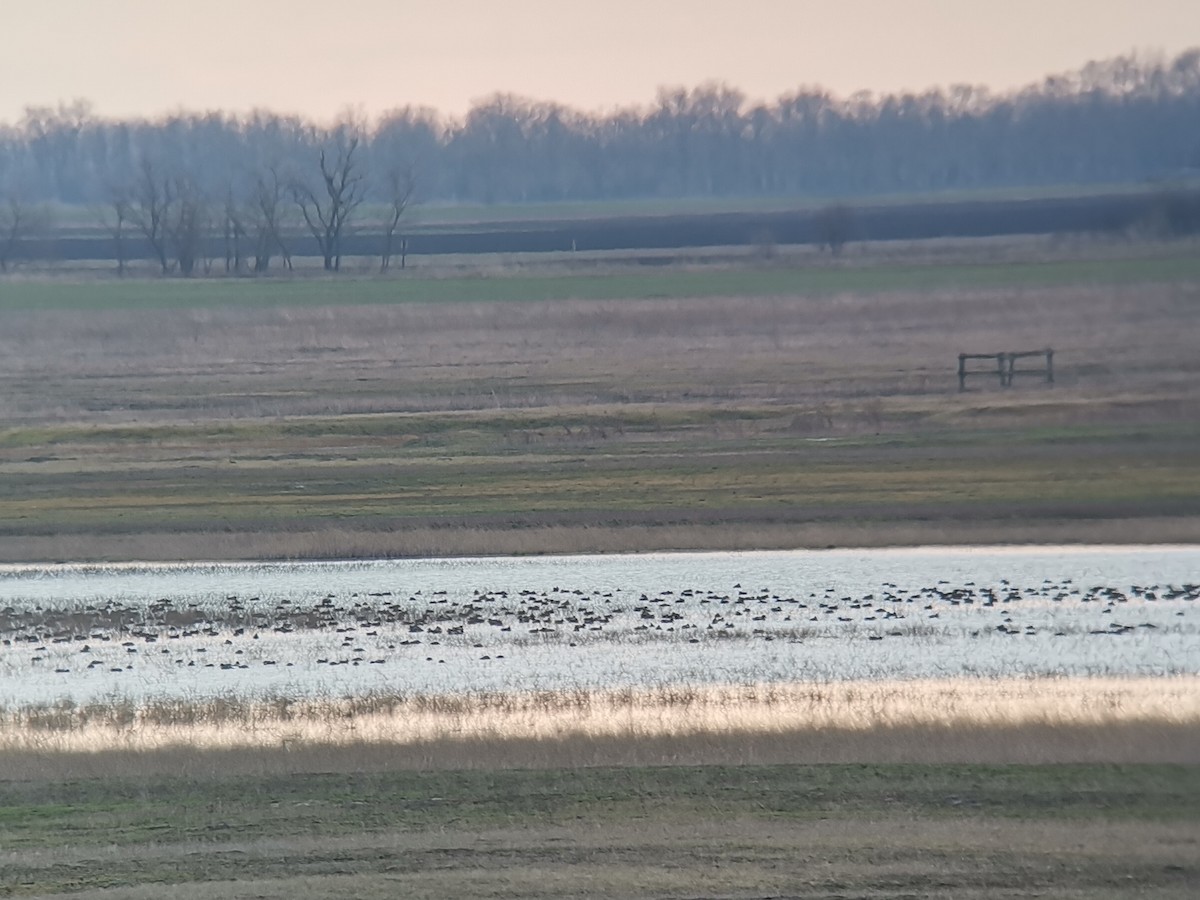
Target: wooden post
{"points": [[962, 371], [1004, 368], [1049, 366]]}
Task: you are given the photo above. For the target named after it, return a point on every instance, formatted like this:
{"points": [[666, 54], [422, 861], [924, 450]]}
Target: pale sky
{"points": [[317, 57]]}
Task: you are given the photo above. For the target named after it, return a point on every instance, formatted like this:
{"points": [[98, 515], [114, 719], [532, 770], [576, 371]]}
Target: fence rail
{"points": [[1006, 366]]}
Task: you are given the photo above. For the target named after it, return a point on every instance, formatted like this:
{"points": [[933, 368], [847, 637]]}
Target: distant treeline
{"points": [[248, 180]]}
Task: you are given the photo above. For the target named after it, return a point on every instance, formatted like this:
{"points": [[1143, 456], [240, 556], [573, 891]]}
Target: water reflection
{"points": [[565, 622]]}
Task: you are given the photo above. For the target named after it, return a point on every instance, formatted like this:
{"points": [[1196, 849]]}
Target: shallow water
{"points": [[563, 622]]}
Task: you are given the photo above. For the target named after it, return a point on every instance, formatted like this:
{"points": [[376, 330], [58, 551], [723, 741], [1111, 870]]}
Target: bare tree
{"points": [[267, 219], [330, 206], [232, 231], [19, 222], [114, 217], [187, 223], [150, 202], [834, 226], [400, 183], [172, 212]]}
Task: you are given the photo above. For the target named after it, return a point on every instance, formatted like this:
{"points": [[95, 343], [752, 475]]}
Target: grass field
{"points": [[595, 282], [508, 409], [727, 406], [745, 406], [743, 831]]}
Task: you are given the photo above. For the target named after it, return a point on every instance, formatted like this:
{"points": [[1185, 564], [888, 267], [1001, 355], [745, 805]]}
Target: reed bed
{"points": [[668, 716]]}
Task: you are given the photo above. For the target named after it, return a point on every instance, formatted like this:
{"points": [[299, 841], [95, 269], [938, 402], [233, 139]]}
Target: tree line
{"points": [[255, 179]]}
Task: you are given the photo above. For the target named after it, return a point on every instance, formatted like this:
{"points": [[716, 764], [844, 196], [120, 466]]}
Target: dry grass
{"points": [[961, 720], [1126, 744], [899, 348], [484, 427], [421, 541]]}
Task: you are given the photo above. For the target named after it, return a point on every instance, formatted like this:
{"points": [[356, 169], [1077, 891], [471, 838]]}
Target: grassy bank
{"points": [[879, 831], [467, 486]]}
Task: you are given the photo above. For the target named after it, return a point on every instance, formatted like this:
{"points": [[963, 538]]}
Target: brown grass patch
{"points": [[963, 720], [534, 539], [261, 432]]}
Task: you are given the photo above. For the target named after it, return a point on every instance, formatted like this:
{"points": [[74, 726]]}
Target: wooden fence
{"points": [[1006, 366]]}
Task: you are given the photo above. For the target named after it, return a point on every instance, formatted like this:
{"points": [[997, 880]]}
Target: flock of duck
{"points": [[235, 633]]}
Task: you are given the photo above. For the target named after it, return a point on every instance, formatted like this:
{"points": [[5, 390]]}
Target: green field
{"points": [[797, 831], [388, 472], [725, 281]]}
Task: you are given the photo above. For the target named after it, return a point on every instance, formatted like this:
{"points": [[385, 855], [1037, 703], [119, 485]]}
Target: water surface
{"points": [[560, 622]]}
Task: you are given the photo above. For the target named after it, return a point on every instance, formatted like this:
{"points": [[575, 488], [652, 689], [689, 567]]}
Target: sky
{"points": [[134, 58]]}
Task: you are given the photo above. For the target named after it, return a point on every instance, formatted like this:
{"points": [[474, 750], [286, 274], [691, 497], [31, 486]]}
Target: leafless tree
{"points": [[233, 230], [114, 218], [16, 222], [186, 223], [328, 207], [834, 225], [266, 217], [400, 183], [151, 198], [172, 212]]}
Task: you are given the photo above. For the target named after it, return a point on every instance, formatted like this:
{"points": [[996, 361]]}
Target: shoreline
{"points": [[431, 542]]}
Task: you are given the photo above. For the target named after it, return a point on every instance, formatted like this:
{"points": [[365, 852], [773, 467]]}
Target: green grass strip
{"points": [[799, 281]]}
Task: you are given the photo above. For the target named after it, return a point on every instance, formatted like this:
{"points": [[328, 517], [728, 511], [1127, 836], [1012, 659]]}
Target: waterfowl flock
{"points": [[537, 636]]}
